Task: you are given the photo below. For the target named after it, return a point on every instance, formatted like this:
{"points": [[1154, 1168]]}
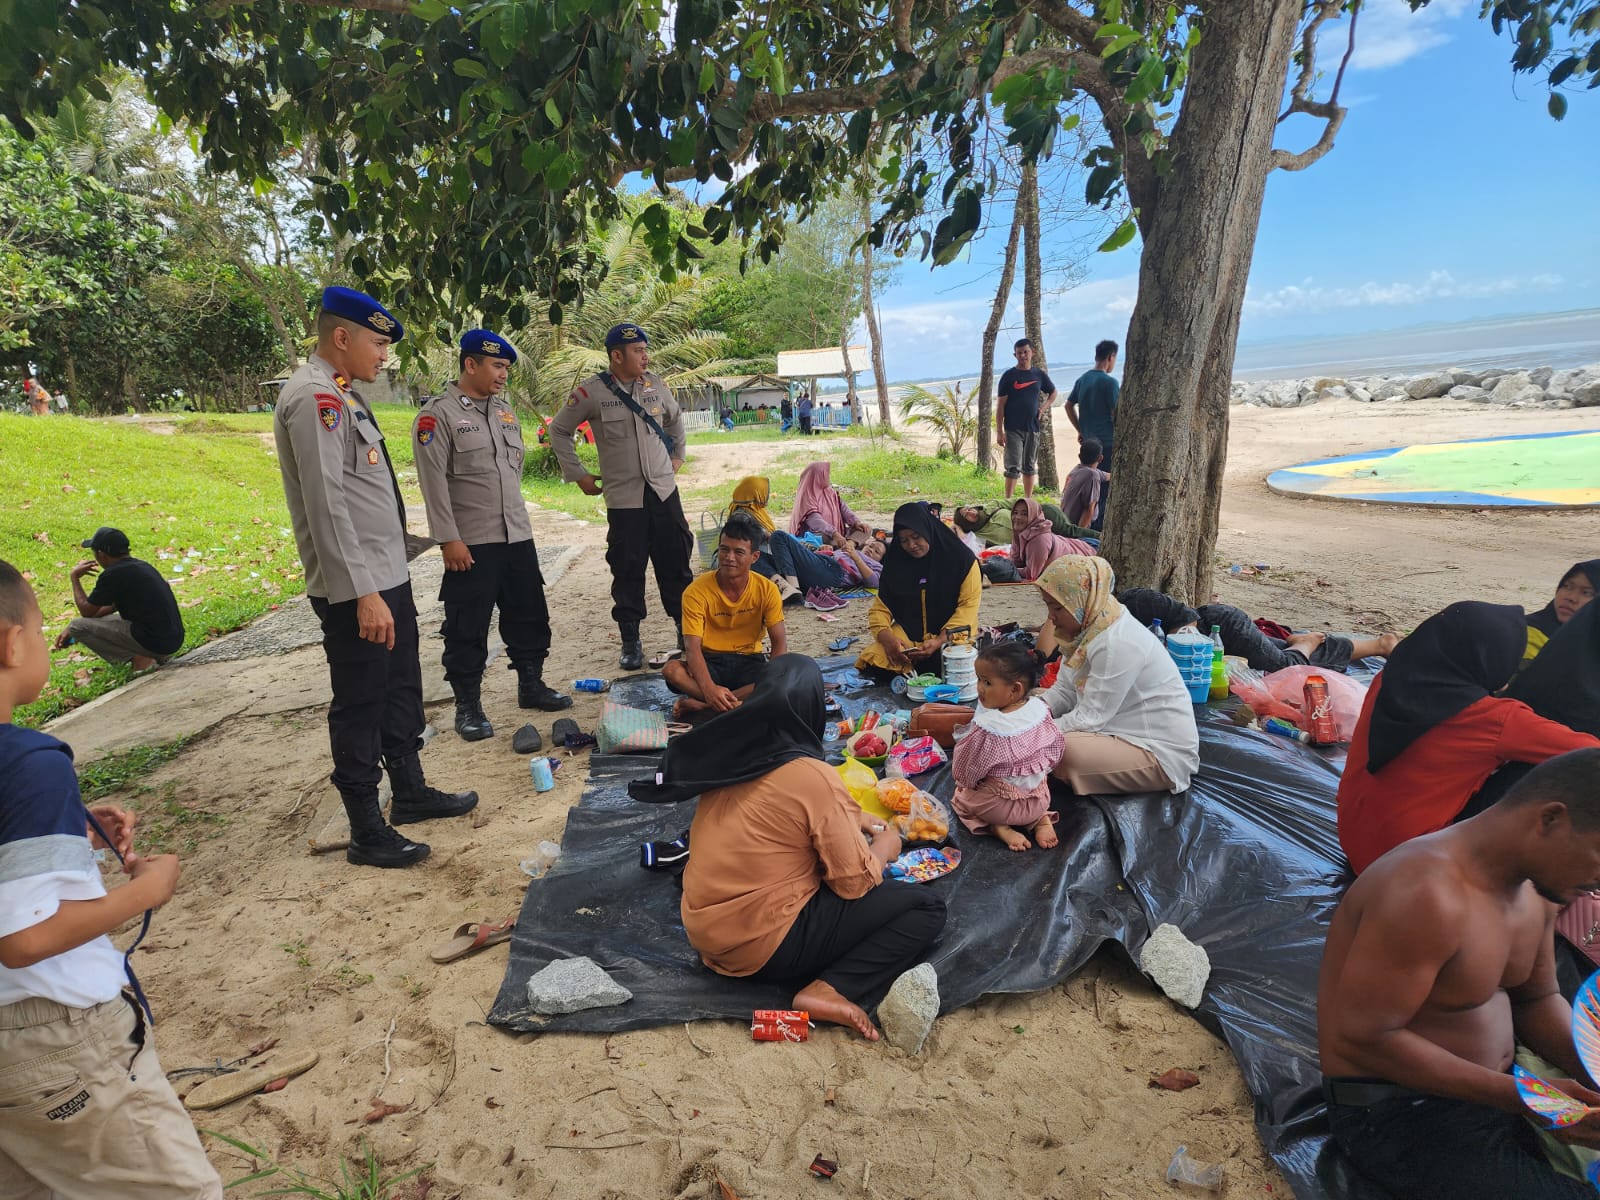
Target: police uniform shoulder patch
{"points": [[425, 427], [330, 411]]}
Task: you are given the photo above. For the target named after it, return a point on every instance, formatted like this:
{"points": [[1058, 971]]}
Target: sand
{"points": [[1043, 1095]]}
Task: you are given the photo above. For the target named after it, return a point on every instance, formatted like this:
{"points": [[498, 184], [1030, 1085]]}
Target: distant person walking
{"points": [[786, 414], [38, 399], [804, 409], [468, 449], [1092, 409], [350, 529], [132, 615], [638, 432], [1021, 396]]}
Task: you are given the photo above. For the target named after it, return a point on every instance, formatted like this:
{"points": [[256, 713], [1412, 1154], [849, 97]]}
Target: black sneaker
{"points": [[431, 804], [385, 848]]}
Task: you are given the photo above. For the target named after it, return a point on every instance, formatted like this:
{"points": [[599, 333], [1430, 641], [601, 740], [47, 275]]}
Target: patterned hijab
{"points": [[1083, 585], [750, 495], [815, 494]]}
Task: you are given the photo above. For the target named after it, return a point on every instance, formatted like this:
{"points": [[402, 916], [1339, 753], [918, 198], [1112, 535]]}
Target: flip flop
{"points": [[844, 643], [662, 657], [472, 937], [236, 1085]]}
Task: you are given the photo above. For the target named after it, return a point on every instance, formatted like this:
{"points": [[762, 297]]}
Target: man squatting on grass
{"points": [[86, 1111]]}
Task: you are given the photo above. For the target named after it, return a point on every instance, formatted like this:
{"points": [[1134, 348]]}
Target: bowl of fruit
{"points": [[870, 746]]}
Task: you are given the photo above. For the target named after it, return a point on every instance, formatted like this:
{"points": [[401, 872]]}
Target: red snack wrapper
{"points": [[780, 1025]]}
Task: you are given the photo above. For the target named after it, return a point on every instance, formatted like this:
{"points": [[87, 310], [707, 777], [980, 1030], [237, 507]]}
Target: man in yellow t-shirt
{"points": [[725, 614]]}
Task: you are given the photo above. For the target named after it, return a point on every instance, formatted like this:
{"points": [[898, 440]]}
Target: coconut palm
{"points": [[947, 410]]}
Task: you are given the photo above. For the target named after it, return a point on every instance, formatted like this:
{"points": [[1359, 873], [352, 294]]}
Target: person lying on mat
{"points": [[1439, 960], [1035, 544], [1433, 729], [802, 571], [1241, 637], [1577, 587], [1118, 697], [930, 585], [991, 523], [785, 879], [725, 614]]}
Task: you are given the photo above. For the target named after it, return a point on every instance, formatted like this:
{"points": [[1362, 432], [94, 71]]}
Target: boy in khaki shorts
{"points": [[85, 1108]]}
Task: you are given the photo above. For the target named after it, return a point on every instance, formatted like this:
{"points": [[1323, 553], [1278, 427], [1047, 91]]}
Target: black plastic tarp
{"points": [[1246, 863]]}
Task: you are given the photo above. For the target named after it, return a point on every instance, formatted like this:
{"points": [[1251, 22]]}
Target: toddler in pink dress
{"points": [[1003, 756]]}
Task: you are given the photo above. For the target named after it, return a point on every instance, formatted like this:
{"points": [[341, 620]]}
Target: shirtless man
{"points": [[1439, 961]]}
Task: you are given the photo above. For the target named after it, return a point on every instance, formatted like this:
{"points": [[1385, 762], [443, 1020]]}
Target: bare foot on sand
{"points": [[1013, 839], [1045, 833], [824, 1003]]}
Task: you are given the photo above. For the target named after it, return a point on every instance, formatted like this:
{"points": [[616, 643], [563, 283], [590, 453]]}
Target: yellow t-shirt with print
{"points": [[731, 626]]}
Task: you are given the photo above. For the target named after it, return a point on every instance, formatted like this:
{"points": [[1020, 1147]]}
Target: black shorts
{"points": [[732, 671]]}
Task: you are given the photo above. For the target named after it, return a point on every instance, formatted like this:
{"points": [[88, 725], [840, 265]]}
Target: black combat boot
{"points": [[632, 649], [372, 843], [414, 800], [532, 692], [471, 723]]}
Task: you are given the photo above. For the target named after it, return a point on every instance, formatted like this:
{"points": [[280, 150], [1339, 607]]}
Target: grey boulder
{"points": [[909, 1010], [571, 985]]}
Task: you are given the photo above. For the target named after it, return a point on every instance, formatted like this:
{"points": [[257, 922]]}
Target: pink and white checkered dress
{"points": [[1002, 766]]}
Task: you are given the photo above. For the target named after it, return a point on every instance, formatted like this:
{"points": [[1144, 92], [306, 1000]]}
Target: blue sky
{"points": [[1451, 194]]}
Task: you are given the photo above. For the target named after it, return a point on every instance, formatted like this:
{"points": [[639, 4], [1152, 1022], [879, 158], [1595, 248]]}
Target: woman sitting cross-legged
{"points": [[785, 874], [930, 584], [1119, 699]]}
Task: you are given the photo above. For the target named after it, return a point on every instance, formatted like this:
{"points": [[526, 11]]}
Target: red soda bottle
{"points": [[1319, 712]]}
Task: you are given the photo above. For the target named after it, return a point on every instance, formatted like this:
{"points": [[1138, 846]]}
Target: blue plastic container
{"points": [[942, 693], [1192, 653]]}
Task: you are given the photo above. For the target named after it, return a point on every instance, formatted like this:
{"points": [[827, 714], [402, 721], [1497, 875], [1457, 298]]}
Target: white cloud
{"points": [[1310, 296], [1390, 33]]}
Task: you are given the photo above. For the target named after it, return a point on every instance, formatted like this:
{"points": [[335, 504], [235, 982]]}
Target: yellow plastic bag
{"points": [[862, 784]]}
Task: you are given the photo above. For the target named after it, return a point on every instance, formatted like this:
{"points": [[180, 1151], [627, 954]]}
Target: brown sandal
{"points": [[472, 937]]}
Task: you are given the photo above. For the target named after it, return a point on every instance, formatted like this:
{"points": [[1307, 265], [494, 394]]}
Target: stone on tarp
{"points": [[1178, 966], [571, 985], [909, 1010]]}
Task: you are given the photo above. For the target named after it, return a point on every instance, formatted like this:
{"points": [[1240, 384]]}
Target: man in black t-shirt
{"points": [[1021, 397], [132, 615]]}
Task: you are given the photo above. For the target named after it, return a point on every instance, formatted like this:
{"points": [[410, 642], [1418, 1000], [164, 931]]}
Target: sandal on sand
{"points": [[662, 657], [472, 937], [844, 643]]}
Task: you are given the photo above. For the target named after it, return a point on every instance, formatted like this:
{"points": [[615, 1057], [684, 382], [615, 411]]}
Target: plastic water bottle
{"points": [[1161, 634], [1219, 669]]}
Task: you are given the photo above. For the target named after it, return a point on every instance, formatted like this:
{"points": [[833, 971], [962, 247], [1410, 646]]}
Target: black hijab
{"points": [[940, 572], [1563, 683], [1545, 620], [1452, 660], [779, 722]]}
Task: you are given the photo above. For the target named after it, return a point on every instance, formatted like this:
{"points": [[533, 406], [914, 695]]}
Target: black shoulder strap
{"points": [[633, 405]]}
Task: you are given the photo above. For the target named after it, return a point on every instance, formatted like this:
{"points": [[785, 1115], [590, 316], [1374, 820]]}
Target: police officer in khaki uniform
{"points": [[638, 431], [468, 449], [349, 526]]}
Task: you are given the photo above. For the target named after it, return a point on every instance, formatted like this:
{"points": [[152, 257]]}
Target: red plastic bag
{"points": [[1282, 694]]}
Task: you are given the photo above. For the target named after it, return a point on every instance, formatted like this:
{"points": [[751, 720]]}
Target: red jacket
{"points": [[1424, 789]]}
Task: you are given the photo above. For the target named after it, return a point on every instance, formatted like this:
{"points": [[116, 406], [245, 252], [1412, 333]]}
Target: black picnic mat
{"points": [[1246, 863]]}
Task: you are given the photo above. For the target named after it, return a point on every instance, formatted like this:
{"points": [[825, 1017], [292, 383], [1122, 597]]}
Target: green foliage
{"points": [[121, 771], [948, 410], [364, 1180]]}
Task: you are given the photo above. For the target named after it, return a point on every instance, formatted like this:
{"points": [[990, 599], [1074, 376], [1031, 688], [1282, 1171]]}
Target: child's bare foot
{"points": [[1045, 833], [824, 1003], [1013, 839]]}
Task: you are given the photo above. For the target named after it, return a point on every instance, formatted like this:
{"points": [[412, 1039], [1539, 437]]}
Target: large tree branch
{"points": [[1329, 111], [901, 10]]}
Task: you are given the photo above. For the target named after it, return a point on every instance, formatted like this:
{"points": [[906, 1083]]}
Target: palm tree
{"points": [[947, 410]]}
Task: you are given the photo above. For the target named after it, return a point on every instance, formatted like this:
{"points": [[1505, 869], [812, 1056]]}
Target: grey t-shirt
{"points": [[1082, 493]]}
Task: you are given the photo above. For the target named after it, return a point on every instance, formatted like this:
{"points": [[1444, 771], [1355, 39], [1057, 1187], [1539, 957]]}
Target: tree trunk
{"points": [[991, 335], [1199, 230], [1033, 316], [291, 349], [874, 334], [851, 395], [72, 380]]}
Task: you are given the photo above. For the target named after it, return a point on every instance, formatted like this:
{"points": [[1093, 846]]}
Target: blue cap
{"points": [[490, 345], [363, 310], [625, 334]]}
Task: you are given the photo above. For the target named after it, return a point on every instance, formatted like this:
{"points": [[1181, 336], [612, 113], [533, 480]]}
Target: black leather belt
{"points": [[1364, 1093]]}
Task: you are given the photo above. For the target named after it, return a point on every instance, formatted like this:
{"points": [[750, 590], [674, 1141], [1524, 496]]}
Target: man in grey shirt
{"points": [[350, 529], [638, 432], [468, 449]]}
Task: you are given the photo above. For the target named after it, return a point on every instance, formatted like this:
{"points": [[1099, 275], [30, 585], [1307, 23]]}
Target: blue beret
{"points": [[625, 334], [363, 310], [490, 345]]}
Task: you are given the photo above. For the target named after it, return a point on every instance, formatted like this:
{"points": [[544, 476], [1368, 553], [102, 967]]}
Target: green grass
{"points": [[770, 432], [166, 824], [123, 771]]}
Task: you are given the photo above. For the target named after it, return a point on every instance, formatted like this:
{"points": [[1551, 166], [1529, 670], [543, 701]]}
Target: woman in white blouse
{"points": [[1119, 699]]}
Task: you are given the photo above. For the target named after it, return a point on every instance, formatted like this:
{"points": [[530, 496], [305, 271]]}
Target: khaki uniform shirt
{"points": [[469, 462], [631, 455], [344, 502]]}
